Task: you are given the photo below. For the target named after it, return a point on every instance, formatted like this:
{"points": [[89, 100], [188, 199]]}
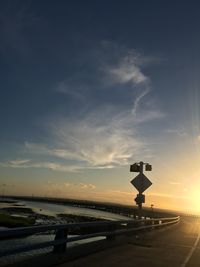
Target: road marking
{"points": [[181, 246], [191, 251]]}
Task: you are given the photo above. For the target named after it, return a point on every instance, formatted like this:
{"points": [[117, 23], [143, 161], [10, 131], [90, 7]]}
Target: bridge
{"points": [[172, 241], [159, 242], [177, 246]]}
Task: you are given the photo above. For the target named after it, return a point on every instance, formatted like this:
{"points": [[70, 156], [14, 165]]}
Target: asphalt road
{"points": [[175, 247]]}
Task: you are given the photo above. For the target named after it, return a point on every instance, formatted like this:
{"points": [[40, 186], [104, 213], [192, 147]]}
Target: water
{"points": [[51, 210], [54, 209]]}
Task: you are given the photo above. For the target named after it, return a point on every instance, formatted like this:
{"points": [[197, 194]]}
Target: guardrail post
{"points": [[130, 225], [111, 236], [60, 234], [153, 223]]}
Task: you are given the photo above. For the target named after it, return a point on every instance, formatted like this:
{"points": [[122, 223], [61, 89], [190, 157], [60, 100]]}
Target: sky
{"points": [[88, 88]]}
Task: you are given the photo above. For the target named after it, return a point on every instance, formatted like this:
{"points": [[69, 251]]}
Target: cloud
{"points": [[87, 186], [127, 71], [64, 88], [43, 149], [179, 132], [121, 192], [138, 100], [55, 166], [98, 141], [68, 189], [95, 141], [103, 135], [169, 196], [18, 162], [67, 184], [108, 67], [174, 183], [106, 136], [44, 165], [80, 185]]}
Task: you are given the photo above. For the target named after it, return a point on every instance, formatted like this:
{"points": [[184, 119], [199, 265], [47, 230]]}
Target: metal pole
{"points": [[141, 183], [140, 204]]}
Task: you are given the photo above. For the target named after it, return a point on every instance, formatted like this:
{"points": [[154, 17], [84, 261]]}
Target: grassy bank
{"points": [[10, 221]]}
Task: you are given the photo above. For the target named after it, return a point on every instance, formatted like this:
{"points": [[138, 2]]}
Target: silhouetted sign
{"points": [[135, 168], [140, 199], [148, 167], [141, 182]]}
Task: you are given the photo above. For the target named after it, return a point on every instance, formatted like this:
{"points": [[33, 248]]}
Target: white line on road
{"points": [[191, 251]]}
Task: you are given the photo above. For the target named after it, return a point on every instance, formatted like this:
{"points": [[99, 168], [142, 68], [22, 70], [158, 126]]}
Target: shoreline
{"points": [[20, 216]]}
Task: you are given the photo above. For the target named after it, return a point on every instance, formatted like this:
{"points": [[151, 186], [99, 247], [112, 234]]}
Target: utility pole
{"points": [[152, 211], [141, 183]]}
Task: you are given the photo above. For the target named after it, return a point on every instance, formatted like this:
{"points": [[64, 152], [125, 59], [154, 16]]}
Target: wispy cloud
{"points": [[127, 71], [179, 132], [87, 186], [96, 141], [137, 101], [64, 88], [69, 189], [169, 196], [111, 66], [19, 162], [91, 145], [44, 165], [104, 136], [80, 185], [120, 192], [53, 165], [174, 183]]}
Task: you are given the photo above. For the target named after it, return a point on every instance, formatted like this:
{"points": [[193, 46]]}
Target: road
{"points": [[176, 247]]}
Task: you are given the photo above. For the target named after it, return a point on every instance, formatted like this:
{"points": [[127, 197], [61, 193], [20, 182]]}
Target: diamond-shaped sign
{"points": [[141, 182]]}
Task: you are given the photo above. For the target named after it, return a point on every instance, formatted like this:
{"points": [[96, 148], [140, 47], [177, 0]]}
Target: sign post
{"points": [[141, 183]]}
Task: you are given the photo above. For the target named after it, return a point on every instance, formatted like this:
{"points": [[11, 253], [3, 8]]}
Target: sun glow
{"points": [[194, 200]]}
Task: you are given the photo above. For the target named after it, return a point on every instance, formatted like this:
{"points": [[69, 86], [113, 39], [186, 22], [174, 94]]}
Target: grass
{"points": [[10, 221]]}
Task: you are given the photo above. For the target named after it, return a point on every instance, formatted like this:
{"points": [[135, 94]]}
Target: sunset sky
{"points": [[89, 87]]}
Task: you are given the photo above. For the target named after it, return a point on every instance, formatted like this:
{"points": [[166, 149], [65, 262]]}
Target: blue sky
{"points": [[89, 87]]}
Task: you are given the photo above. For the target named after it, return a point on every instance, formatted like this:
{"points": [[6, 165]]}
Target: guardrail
{"points": [[108, 229]]}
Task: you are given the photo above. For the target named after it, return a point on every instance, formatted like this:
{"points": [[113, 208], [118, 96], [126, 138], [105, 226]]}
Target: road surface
{"points": [[176, 247]]}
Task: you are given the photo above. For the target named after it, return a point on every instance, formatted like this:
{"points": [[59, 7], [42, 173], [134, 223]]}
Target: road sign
{"points": [[148, 167], [140, 199], [135, 168], [141, 182]]}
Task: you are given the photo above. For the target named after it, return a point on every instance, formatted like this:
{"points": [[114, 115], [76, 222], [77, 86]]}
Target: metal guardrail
{"points": [[108, 229]]}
